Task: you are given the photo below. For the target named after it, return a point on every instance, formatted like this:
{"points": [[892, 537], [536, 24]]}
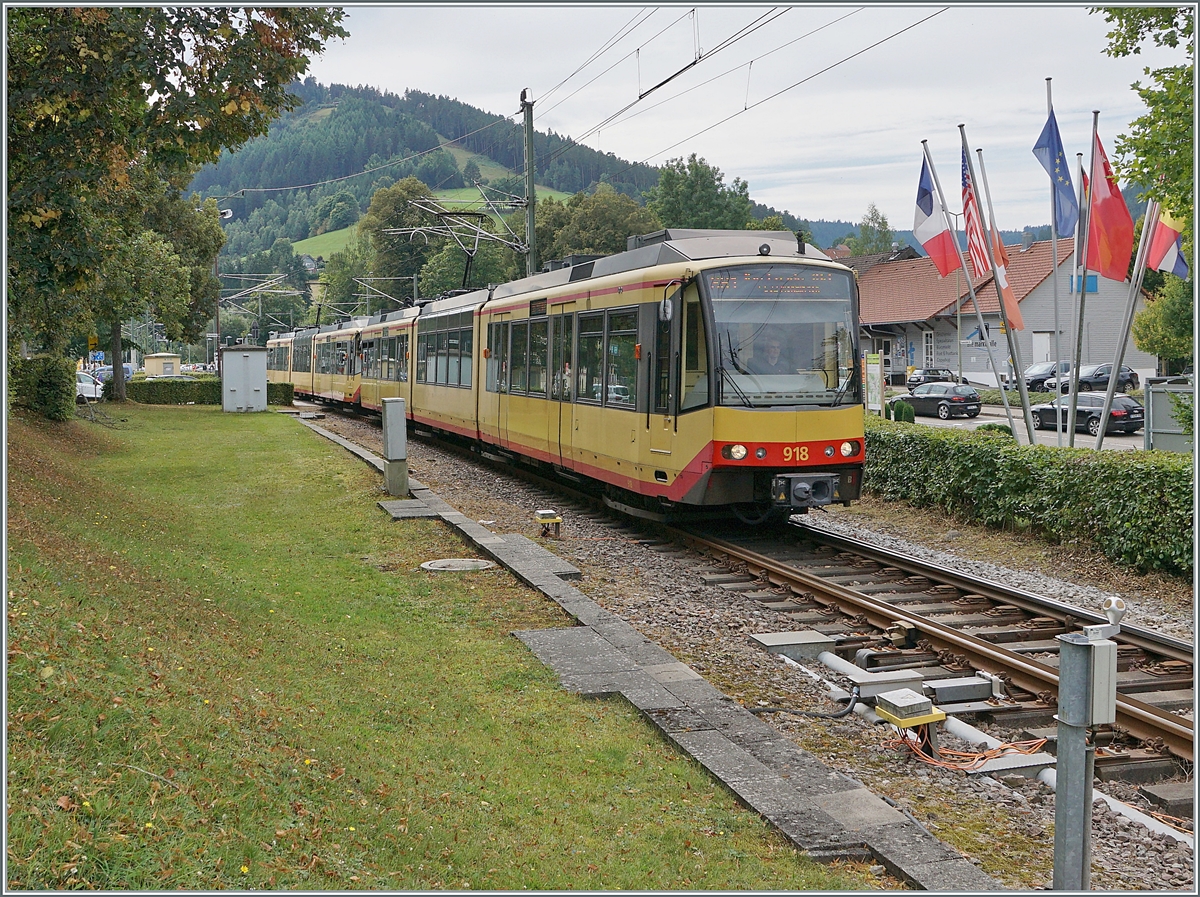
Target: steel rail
{"points": [[1142, 720], [1147, 640]]}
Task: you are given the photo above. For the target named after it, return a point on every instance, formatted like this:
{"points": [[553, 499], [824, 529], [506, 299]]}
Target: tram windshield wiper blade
{"points": [[726, 377]]}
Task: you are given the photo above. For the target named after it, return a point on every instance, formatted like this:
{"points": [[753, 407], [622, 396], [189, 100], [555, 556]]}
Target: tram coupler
{"points": [[805, 490]]}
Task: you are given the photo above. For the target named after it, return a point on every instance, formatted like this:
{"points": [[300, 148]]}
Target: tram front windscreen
{"points": [[785, 335]]}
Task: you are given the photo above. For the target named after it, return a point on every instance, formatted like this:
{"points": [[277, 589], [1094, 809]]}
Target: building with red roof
{"points": [[916, 319]]}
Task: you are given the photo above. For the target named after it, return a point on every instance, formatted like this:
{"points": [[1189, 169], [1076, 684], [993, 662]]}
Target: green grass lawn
{"points": [[227, 671]]}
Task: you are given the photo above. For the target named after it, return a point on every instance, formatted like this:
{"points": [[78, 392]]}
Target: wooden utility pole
{"points": [[531, 260]]}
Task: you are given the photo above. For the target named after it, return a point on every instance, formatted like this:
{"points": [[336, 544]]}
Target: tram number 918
{"points": [[795, 453]]}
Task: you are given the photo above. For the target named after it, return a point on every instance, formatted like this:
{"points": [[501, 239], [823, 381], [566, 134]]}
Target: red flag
{"points": [[1012, 309], [1110, 227]]}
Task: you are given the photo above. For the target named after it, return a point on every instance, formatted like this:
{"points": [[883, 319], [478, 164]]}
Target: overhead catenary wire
{"points": [[778, 93], [745, 31], [625, 30]]}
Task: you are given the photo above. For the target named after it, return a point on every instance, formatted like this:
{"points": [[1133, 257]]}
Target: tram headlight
{"points": [[850, 449], [736, 452]]}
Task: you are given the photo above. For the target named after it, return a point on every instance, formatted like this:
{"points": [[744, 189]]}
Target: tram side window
{"points": [[590, 352], [539, 338], [302, 355], [466, 343], [441, 355], [497, 364], [370, 354], [520, 356], [560, 363], [399, 350], [422, 356], [695, 353], [343, 365], [620, 376]]}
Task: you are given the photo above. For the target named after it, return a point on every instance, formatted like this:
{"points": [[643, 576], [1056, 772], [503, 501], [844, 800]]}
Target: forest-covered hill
{"points": [[317, 168]]}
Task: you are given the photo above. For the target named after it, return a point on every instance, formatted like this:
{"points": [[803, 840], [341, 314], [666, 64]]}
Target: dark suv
{"points": [[1037, 374], [1095, 377], [930, 375]]}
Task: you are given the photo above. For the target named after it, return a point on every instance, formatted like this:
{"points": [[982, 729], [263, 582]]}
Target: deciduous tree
{"points": [[874, 233], [694, 194], [1158, 150], [600, 224], [93, 92], [1164, 326]]}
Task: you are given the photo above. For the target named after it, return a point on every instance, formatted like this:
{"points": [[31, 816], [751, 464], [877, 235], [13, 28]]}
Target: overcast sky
{"points": [[871, 82]]}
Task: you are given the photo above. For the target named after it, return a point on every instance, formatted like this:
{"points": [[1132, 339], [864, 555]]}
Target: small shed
{"points": [[160, 364], [244, 378]]}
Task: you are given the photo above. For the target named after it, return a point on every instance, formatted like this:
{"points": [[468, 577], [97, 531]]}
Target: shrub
{"points": [[994, 427], [1135, 507], [206, 391], [45, 384], [904, 412]]}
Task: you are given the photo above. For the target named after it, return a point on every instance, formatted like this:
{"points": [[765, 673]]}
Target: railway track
{"points": [[887, 612], [953, 624]]}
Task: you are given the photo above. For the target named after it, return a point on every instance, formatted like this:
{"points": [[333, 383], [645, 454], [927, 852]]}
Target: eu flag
{"points": [[1049, 151]]}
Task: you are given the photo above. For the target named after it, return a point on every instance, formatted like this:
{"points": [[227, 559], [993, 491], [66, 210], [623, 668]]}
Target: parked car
{"points": [[1126, 415], [87, 387], [930, 375], [1037, 374], [945, 400], [104, 374], [1095, 377]]}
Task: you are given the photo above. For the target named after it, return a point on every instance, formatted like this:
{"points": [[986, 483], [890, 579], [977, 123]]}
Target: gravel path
{"points": [[1004, 826]]}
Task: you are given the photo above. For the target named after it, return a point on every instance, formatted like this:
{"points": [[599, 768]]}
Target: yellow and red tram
{"points": [[699, 370]]}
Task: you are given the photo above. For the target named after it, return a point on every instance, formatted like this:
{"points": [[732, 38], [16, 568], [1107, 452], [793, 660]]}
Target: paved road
{"points": [[995, 414]]}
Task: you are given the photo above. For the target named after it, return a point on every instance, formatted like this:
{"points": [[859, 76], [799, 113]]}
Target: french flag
{"points": [[1166, 249], [931, 230]]}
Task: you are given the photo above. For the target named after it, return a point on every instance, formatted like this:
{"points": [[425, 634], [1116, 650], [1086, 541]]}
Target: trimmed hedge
{"points": [[1136, 507], [191, 392], [45, 384]]}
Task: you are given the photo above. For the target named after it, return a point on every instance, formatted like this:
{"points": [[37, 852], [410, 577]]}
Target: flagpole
{"points": [[1014, 347], [1054, 274], [1083, 284], [937, 184], [1076, 262], [1149, 226]]}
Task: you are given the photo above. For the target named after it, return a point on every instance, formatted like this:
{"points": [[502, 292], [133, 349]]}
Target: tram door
{"points": [[562, 341], [499, 350], [664, 377]]}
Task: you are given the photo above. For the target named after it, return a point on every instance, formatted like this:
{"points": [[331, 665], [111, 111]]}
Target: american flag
{"points": [[976, 242]]}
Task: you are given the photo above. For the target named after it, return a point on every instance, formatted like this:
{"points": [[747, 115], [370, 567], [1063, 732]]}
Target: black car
{"points": [[1037, 374], [1126, 415], [942, 399], [1094, 377], [930, 375]]}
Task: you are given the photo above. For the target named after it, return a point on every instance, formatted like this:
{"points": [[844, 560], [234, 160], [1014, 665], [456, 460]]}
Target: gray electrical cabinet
{"points": [[244, 378], [1163, 431]]}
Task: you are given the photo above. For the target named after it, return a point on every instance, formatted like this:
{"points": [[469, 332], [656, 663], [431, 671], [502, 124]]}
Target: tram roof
{"points": [[670, 246]]}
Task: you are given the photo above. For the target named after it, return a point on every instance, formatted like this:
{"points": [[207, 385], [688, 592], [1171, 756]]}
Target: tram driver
{"points": [[770, 361]]}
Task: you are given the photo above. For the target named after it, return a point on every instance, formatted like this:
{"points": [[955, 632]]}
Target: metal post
{"points": [[1149, 225], [1073, 785], [990, 233], [970, 287], [531, 259], [1083, 260], [1087, 696], [1054, 271]]}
